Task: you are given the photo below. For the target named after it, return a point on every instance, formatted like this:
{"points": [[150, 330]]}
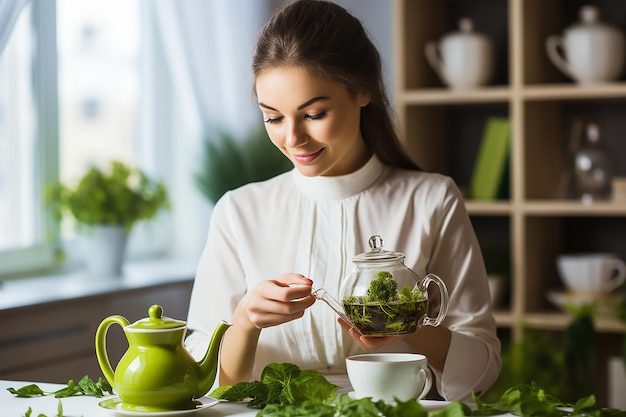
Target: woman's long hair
{"points": [[325, 39]]}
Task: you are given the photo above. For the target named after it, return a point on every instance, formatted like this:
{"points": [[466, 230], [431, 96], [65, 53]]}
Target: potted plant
{"points": [[230, 162], [106, 205]]}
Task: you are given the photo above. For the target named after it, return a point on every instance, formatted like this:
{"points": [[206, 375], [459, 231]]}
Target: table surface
{"points": [[86, 406], [77, 406]]}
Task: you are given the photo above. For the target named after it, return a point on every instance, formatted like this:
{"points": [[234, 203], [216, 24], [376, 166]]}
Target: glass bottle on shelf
{"points": [[593, 167]]}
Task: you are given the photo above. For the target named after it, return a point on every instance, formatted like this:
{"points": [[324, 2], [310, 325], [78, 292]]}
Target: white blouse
{"points": [[314, 226]]}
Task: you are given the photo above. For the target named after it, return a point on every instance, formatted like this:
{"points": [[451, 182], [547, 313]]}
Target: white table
{"points": [[12, 406], [85, 406]]}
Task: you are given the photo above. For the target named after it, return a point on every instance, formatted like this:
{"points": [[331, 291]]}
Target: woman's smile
{"points": [[307, 158]]}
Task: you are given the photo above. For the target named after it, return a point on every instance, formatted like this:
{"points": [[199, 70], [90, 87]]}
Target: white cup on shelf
{"points": [[592, 273], [462, 59], [589, 52]]}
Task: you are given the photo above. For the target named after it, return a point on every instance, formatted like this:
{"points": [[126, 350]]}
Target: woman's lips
{"points": [[308, 158]]}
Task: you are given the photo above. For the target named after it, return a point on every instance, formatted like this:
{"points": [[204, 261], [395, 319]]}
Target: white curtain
{"points": [[197, 81], [9, 12], [208, 47]]}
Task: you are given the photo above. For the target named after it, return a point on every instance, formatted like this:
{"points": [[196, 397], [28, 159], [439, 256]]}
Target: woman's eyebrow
{"points": [[301, 106], [313, 100]]}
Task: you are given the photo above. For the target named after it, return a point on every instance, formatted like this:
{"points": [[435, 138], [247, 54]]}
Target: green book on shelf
{"points": [[492, 161]]}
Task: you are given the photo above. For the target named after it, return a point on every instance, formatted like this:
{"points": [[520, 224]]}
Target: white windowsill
{"points": [[76, 284]]}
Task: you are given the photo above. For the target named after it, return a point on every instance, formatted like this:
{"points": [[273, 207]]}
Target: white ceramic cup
{"points": [[389, 376], [590, 51], [463, 59], [591, 272]]}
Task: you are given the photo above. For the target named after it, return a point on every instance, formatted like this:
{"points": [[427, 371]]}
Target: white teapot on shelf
{"points": [[590, 51], [463, 59]]}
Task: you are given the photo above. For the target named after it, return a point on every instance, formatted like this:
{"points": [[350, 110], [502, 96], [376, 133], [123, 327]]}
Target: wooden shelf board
{"points": [[446, 96], [503, 208], [559, 321], [574, 91], [574, 208], [504, 318]]}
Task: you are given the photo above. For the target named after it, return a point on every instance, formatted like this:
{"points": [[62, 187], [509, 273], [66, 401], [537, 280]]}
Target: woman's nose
{"points": [[296, 135]]}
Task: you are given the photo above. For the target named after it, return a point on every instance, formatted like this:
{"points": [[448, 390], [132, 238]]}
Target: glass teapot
{"points": [[383, 297]]}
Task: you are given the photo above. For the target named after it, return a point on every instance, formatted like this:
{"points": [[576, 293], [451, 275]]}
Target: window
{"points": [[62, 112], [21, 215]]}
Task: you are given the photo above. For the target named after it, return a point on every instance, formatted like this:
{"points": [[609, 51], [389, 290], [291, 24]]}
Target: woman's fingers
{"points": [[278, 301], [367, 343]]}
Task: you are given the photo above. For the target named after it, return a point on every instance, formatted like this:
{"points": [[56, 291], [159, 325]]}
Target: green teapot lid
{"points": [[156, 321]]}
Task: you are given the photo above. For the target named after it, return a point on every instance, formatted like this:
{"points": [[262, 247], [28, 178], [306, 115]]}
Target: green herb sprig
{"points": [[86, 386]]}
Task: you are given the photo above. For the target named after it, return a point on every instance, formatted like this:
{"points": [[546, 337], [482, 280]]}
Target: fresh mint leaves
{"points": [[281, 383], [287, 391]]}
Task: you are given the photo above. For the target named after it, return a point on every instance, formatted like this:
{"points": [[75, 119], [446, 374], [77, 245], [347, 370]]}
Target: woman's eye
{"points": [[272, 120], [316, 116]]}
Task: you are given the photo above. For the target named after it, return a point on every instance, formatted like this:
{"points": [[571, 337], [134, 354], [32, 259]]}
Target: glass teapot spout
{"points": [[322, 294]]}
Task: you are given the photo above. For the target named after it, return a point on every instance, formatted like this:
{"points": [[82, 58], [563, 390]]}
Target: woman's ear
{"points": [[363, 99]]}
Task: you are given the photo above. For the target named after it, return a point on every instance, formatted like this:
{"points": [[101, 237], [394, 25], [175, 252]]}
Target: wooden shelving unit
{"points": [[442, 129]]}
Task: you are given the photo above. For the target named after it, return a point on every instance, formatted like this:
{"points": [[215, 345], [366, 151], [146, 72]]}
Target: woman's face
{"points": [[314, 121]]}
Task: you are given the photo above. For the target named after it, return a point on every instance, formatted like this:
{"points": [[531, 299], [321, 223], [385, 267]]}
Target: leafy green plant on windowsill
{"points": [[230, 162], [121, 195]]}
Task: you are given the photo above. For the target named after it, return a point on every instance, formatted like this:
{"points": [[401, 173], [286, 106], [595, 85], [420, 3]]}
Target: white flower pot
{"points": [[103, 250]]}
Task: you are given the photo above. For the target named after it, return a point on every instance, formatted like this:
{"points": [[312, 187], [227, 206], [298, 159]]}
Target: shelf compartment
{"points": [[446, 139], [422, 21], [548, 129], [546, 18], [546, 237]]}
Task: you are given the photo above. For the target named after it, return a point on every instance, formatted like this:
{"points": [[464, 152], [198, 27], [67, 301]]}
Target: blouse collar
{"points": [[342, 186]]}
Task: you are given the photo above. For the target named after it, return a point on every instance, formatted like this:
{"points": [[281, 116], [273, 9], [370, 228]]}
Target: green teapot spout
{"points": [[209, 363]]}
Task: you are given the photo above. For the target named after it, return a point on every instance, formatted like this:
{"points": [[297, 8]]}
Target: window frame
{"points": [[41, 255]]}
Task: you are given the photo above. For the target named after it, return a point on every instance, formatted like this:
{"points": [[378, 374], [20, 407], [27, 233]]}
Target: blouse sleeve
{"points": [[473, 361], [219, 283]]}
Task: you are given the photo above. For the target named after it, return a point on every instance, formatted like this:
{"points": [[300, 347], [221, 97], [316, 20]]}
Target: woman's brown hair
{"points": [[325, 39]]}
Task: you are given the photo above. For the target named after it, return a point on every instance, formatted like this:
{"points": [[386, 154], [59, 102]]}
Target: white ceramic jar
{"points": [[463, 59], [590, 51]]}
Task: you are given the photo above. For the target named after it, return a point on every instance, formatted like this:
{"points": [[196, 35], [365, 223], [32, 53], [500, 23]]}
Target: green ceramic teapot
{"points": [[157, 373]]}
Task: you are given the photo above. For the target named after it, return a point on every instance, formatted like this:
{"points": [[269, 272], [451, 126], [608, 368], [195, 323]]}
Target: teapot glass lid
{"points": [[377, 253], [156, 321]]}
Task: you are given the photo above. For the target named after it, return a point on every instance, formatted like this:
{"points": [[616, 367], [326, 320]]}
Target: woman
{"points": [[319, 86]]}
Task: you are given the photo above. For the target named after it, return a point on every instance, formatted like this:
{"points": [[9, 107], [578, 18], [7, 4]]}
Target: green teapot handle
{"points": [[101, 348]]}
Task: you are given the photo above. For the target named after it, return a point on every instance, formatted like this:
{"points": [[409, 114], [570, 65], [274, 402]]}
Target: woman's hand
{"points": [[368, 343], [279, 300]]}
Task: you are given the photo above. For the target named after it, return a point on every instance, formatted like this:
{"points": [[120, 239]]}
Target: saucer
{"points": [[606, 304], [115, 405], [428, 405]]}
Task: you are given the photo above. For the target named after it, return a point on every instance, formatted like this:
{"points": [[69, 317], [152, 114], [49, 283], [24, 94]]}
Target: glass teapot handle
{"points": [[443, 307]]}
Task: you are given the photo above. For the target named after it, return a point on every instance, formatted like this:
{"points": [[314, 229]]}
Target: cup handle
{"points": [[101, 349], [554, 47], [428, 383], [431, 50], [443, 307], [617, 280]]}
